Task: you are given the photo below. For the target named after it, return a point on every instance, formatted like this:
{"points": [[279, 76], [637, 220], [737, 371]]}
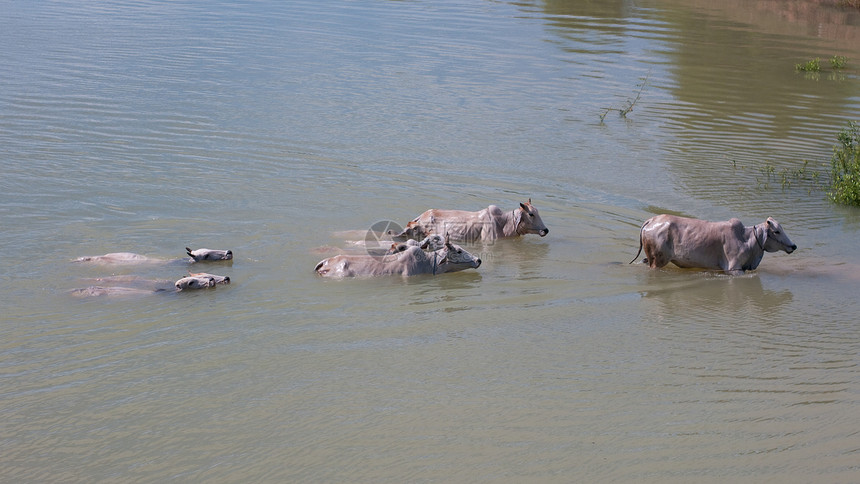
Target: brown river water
{"points": [[285, 130]]}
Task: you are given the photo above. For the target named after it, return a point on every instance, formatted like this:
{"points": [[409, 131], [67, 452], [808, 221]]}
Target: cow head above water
{"points": [[455, 258], [431, 243], [192, 282], [218, 279], [209, 254], [529, 221], [413, 230], [775, 238]]}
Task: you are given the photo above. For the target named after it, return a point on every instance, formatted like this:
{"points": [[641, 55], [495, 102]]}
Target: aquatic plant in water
{"points": [[845, 167], [812, 65], [628, 106], [838, 61]]}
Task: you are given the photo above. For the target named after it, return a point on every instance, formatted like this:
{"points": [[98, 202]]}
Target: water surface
{"points": [[271, 129]]}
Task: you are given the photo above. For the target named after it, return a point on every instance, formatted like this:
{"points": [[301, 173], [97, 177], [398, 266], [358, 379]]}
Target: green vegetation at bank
{"points": [[844, 179], [845, 167]]}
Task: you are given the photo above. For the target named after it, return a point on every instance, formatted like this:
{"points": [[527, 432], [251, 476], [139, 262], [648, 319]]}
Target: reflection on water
{"points": [[268, 127], [697, 295]]}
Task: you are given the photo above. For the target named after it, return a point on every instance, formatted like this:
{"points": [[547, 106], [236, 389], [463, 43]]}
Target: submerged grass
{"points": [[805, 176], [843, 186], [628, 106]]}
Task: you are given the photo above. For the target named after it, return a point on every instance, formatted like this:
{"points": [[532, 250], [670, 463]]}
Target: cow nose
{"points": [[478, 261], [544, 232]]}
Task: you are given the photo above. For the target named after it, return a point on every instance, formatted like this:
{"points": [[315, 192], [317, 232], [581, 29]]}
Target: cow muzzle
{"points": [[543, 232]]}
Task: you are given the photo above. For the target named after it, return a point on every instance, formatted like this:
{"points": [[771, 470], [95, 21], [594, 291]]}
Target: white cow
{"points": [[209, 254], [726, 246], [412, 260], [484, 225]]}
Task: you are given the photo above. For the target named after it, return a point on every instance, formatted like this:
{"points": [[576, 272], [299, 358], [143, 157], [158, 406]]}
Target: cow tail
{"points": [[640, 241]]}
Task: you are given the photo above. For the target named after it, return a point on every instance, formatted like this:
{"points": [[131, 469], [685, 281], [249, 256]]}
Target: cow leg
{"points": [[659, 260], [654, 257]]}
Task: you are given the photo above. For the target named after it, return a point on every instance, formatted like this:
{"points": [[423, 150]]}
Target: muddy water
{"points": [[284, 131]]}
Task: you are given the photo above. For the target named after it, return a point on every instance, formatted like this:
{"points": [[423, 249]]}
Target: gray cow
{"points": [[726, 246], [410, 261], [484, 225]]}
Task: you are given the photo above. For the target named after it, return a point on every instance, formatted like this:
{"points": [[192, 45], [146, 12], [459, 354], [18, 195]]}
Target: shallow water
{"points": [[277, 130]]}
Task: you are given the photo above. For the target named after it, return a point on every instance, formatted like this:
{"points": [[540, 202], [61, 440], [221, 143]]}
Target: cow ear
{"points": [[523, 206], [770, 223]]}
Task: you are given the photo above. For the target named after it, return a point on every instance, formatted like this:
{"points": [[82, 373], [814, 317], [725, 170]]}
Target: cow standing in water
{"points": [[485, 225], [726, 246]]}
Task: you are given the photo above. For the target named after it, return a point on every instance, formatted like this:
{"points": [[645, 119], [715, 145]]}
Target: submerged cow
{"points": [[484, 225], [410, 261], [726, 246], [119, 258], [129, 285], [123, 258]]}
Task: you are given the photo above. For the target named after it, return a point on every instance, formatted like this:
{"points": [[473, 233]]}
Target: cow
{"points": [[726, 246], [412, 260], [485, 225], [209, 254]]}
